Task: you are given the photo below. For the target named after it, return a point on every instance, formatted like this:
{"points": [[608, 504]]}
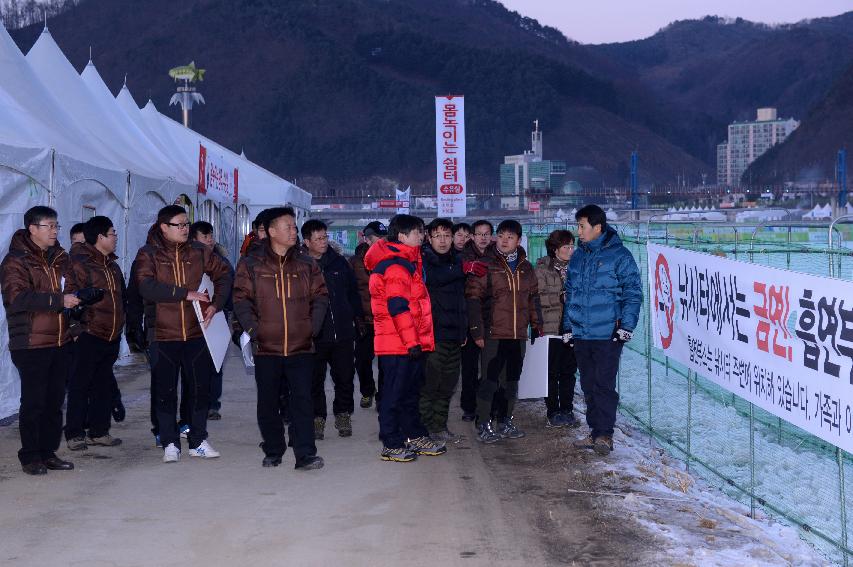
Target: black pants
{"points": [[501, 360], [470, 376], [399, 415], [192, 360], [598, 362], [43, 373], [338, 357], [216, 388], [364, 366], [183, 413], [442, 374], [285, 377], [91, 393], [561, 377]]}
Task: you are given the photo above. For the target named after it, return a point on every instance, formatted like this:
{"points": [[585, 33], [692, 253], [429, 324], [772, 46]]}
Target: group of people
{"points": [[431, 301]]}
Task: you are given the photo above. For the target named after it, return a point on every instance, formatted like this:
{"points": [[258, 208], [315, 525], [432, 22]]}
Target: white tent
{"points": [[65, 141], [819, 212]]}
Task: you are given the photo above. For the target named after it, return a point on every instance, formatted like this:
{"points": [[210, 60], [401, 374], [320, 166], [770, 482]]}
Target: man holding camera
{"points": [[96, 278]]}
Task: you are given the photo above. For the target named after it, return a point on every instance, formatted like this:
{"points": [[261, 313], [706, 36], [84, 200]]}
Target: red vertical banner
{"points": [[236, 184], [202, 169]]}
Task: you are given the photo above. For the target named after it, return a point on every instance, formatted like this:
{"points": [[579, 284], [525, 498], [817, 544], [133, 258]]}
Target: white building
{"points": [[747, 141]]}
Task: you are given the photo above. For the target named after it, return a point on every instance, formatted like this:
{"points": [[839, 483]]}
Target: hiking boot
{"points": [[76, 444], [214, 415], [486, 433], [586, 443], [171, 454], [426, 446], [118, 411], [205, 451], [103, 441], [184, 431], [271, 461], [439, 438], [400, 455], [603, 445], [571, 420], [508, 430], [469, 416], [556, 420], [309, 463], [343, 423], [366, 402], [319, 428]]}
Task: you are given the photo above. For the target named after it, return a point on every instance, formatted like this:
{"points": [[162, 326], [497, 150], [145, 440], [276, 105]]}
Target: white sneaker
{"points": [[205, 451], [171, 454]]}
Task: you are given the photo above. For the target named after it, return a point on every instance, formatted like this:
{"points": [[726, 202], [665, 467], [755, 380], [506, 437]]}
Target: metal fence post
{"points": [[752, 460], [689, 416], [843, 501]]}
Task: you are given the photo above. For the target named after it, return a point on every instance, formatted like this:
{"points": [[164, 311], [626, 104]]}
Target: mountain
{"points": [[716, 71], [343, 89], [809, 154]]}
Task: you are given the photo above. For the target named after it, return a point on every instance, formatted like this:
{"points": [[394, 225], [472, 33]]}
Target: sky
{"points": [[607, 21]]}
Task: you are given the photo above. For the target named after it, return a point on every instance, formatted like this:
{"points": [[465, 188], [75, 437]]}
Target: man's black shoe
{"points": [[57, 464], [270, 461], [35, 469], [119, 412], [309, 463]]}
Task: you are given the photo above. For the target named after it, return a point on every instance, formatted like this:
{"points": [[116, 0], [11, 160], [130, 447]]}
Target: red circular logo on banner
{"points": [[664, 302]]}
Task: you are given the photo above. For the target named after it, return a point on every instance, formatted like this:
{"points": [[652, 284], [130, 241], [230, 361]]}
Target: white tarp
{"points": [[100, 122], [18, 192], [781, 340]]}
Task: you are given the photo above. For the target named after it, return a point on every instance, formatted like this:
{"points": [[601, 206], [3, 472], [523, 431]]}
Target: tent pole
{"points": [[124, 266], [51, 190]]}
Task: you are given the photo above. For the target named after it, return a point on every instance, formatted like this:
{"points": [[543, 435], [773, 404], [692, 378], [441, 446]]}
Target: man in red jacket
{"points": [[402, 317]]}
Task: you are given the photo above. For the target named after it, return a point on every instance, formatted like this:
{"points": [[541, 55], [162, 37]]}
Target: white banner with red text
{"points": [[216, 178], [450, 156], [781, 340]]}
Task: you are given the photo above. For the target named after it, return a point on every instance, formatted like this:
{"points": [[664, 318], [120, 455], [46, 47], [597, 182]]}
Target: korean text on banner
{"points": [[450, 155], [216, 178], [778, 339]]}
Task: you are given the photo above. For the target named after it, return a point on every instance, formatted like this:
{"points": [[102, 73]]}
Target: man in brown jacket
{"points": [[90, 393], [168, 272], [31, 280], [280, 299], [364, 332], [473, 250], [501, 304]]}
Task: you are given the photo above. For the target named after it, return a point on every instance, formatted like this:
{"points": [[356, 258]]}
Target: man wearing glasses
{"points": [[94, 267], [473, 251], [168, 271], [31, 280]]}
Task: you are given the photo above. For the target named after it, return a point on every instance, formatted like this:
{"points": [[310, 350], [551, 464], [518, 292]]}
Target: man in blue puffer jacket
{"points": [[603, 299]]}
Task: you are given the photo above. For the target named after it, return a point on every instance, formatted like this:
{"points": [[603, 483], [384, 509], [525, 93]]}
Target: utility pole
{"points": [[841, 179], [634, 160]]}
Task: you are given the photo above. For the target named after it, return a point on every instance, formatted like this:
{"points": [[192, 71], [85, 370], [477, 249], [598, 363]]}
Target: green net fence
{"points": [[747, 452]]}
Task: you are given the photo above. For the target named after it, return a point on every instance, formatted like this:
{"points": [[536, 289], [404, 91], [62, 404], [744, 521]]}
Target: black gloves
{"points": [[416, 352], [87, 296]]}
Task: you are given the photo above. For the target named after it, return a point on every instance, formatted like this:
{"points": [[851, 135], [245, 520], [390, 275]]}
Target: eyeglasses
{"points": [[179, 224], [51, 226]]}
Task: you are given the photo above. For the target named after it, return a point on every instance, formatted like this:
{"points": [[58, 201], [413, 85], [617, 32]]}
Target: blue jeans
{"points": [[399, 411]]}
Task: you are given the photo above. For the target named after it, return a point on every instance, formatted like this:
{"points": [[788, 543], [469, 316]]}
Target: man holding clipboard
{"points": [[167, 269]]}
